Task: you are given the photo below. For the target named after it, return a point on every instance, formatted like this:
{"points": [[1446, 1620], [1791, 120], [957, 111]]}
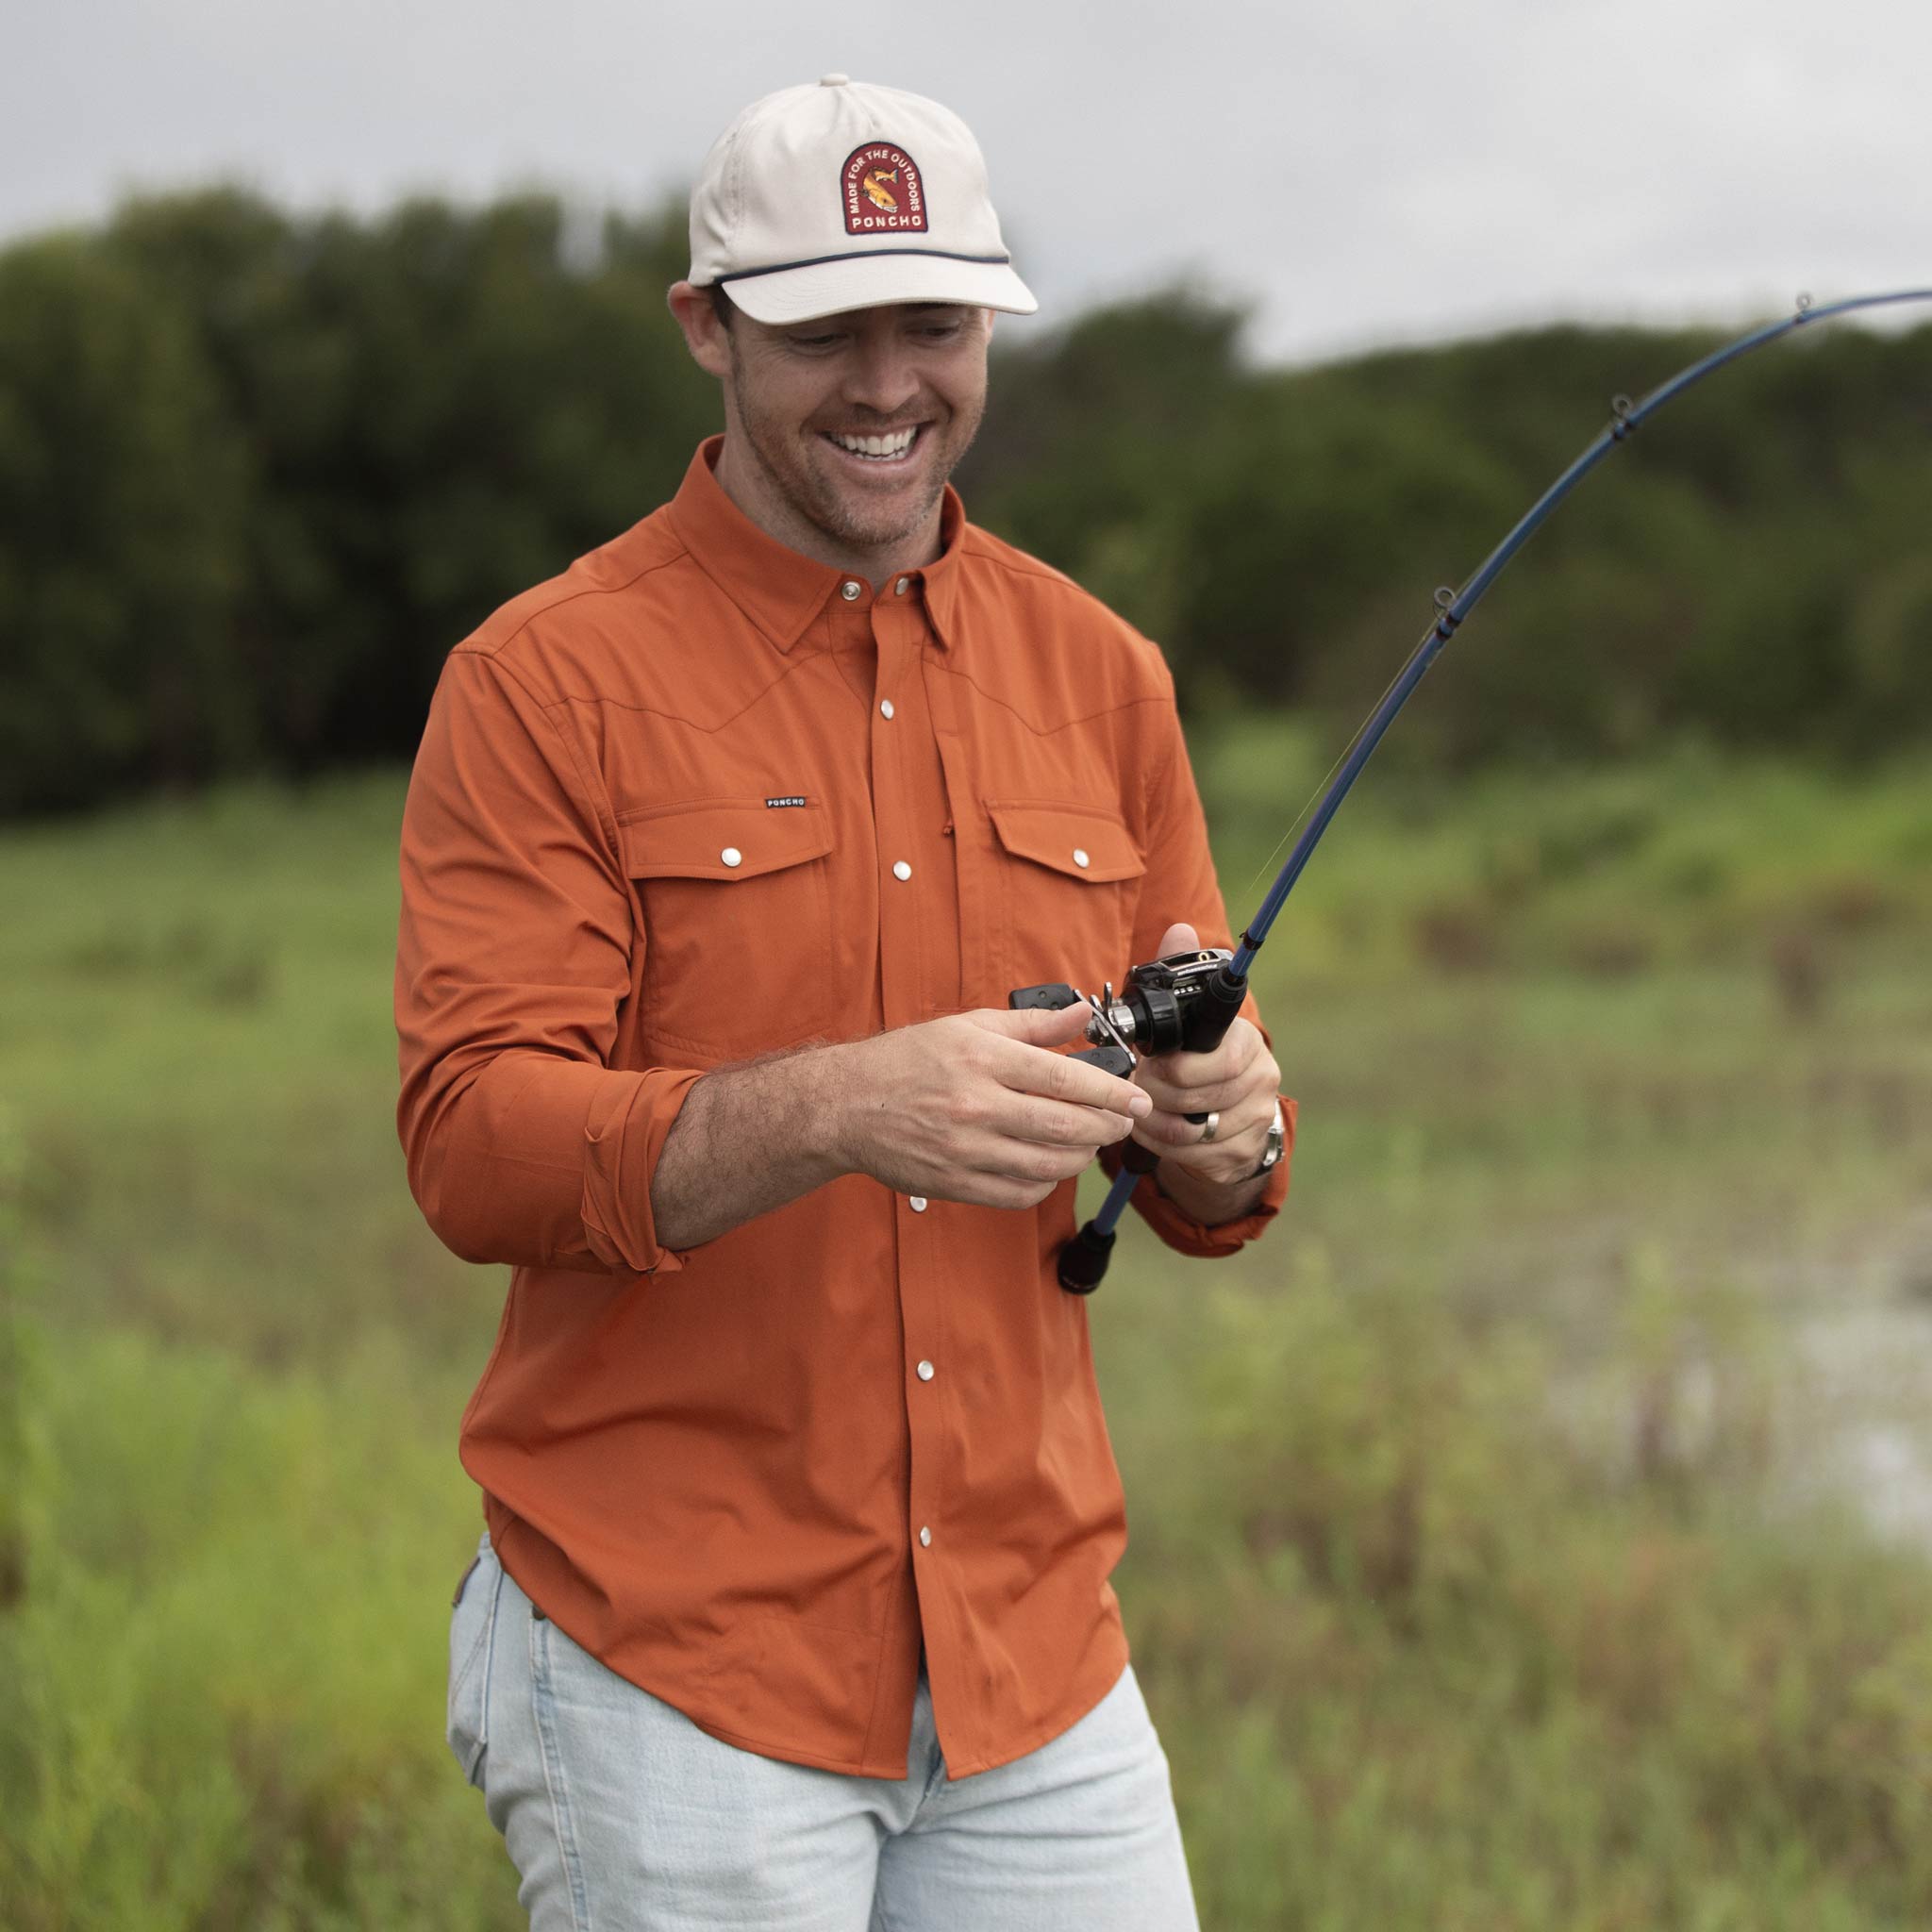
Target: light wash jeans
{"points": [[620, 1813]]}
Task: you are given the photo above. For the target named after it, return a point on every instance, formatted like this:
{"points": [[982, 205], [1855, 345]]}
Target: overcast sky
{"points": [[1397, 172]]}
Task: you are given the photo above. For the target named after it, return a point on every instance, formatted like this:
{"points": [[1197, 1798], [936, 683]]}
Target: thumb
{"points": [[1179, 937], [1036, 1025]]}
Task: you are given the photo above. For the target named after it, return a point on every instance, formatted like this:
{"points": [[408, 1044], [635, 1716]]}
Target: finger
{"points": [[991, 1191], [1028, 1162], [1026, 1069], [1196, 1096], [1186, 1082], [1058, 1124], [1179, 937], [1036, 1025], [1239, 1047], [1171, 1131]]}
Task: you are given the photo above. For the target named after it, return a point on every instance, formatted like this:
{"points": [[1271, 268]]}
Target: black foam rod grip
{"points": [[1083, 1260], [1051, 999]]}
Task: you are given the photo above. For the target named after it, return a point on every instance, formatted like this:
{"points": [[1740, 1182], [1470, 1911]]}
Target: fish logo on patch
{"points": [[882, 191]]}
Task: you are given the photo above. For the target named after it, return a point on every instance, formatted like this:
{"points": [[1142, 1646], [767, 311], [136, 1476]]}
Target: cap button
{"points": [[835, 81]]}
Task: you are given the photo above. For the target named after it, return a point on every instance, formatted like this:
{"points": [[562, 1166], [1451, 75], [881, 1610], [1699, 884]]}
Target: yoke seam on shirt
{"points": [[1019, 565], [1066, 724], [573, 697], [1156, 786], [606, 814], [989, 549], [606, 818], [571, 597]]}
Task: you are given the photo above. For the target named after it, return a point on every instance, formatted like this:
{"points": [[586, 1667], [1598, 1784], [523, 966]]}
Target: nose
{"points": [[881, 375]]}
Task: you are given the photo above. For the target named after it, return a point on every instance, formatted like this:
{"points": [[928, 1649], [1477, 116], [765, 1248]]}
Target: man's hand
{"points": [[1238, 1080], [976, 1106]]}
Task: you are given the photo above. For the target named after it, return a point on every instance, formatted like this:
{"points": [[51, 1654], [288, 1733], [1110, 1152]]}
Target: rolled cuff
{"points": [[624, 1132]]}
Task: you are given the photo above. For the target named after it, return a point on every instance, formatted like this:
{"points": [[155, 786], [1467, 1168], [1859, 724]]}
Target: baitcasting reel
{"points": [[1182, 1004]]}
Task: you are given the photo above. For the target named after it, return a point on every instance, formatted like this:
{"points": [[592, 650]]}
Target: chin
{"points": [[856, 518]]}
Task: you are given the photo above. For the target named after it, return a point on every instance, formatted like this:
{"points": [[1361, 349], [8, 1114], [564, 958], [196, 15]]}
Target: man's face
{"points": [[853, 423]]}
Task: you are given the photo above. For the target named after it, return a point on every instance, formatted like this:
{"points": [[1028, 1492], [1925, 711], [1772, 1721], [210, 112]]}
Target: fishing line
{"points": [[1189, 1001]]}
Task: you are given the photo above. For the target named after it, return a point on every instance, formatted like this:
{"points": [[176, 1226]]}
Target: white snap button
{"points": [[902, 871], [917, 1202], [926, 1371], [924, 1538], [1080, 857], [885, 708], [849, 590], [732, 856], [899, 589]]}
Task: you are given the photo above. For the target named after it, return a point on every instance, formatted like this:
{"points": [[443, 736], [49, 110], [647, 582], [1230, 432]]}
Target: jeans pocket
{"points": [[471, 1639]]}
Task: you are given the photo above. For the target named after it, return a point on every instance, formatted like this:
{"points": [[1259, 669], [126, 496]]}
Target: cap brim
{"points": [[864, 281]]}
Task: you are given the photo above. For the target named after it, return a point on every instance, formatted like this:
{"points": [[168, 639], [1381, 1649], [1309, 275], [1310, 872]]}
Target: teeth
{"points": [[894, 445]]}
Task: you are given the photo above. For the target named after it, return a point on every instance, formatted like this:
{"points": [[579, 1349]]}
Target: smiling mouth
{"points": [[891, 448]]}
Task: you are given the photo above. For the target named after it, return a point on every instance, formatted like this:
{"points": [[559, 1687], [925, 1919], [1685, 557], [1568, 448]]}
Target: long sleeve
{"points": [[1180, 884], [515, 955]]}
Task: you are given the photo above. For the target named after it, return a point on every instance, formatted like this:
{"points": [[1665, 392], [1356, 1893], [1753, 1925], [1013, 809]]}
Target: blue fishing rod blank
{"points": [[1084, 1260]]}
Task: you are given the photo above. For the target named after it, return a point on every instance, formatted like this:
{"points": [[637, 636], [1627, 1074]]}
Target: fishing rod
{"points": [[1185, 1002]]}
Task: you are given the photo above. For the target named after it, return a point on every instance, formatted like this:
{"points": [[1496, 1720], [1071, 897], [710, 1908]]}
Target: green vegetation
{"points": [[1487, 1570], [260, 470]]}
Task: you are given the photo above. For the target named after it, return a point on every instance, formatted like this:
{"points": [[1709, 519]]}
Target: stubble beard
{"points": [[786, 458]]}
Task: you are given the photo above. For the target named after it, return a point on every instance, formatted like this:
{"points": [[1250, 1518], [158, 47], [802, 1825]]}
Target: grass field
{"points": [[1524, 1536]]}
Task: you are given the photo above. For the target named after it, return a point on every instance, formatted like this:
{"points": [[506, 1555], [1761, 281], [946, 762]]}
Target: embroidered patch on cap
{"points": [[882, 190]]}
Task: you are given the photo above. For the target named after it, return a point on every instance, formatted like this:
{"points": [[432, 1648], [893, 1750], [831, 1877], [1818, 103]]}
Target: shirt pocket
{"points": [[1072, 879], [738, 925]]}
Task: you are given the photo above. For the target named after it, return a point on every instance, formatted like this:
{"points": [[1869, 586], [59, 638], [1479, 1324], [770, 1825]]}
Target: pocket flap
{"points": [[1081, 840], [723, 839]]}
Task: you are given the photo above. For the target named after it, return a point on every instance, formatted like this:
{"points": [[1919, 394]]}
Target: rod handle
{"points": [[1083, 1260]]}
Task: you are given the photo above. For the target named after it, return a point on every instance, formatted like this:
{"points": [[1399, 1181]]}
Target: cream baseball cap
{"points": [[838, 195]]}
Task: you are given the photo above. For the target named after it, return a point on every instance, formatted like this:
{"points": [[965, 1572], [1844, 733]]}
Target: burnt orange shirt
{"points": [[698, 798]]}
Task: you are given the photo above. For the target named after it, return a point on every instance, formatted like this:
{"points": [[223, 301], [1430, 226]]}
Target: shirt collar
{"points": [[780, 591]]}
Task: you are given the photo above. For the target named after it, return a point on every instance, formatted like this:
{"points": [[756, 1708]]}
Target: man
{"points": [[720, 854]]}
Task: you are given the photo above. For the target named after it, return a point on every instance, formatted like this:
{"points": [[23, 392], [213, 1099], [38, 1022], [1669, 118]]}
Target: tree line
{"points": [[259, 469]]}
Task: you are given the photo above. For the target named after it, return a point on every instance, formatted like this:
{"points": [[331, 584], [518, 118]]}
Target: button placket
{"points": [[910, 797]]}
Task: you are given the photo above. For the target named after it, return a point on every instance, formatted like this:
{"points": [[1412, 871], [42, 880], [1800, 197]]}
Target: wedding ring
{"points": [[1214, 1127]]}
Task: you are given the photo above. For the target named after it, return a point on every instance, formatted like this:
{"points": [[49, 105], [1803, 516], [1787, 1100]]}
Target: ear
{"points": [[705, 336]]}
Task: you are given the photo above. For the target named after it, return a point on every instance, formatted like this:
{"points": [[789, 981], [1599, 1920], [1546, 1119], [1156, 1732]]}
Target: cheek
{"points": [[777, 406], [967, 401]]}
